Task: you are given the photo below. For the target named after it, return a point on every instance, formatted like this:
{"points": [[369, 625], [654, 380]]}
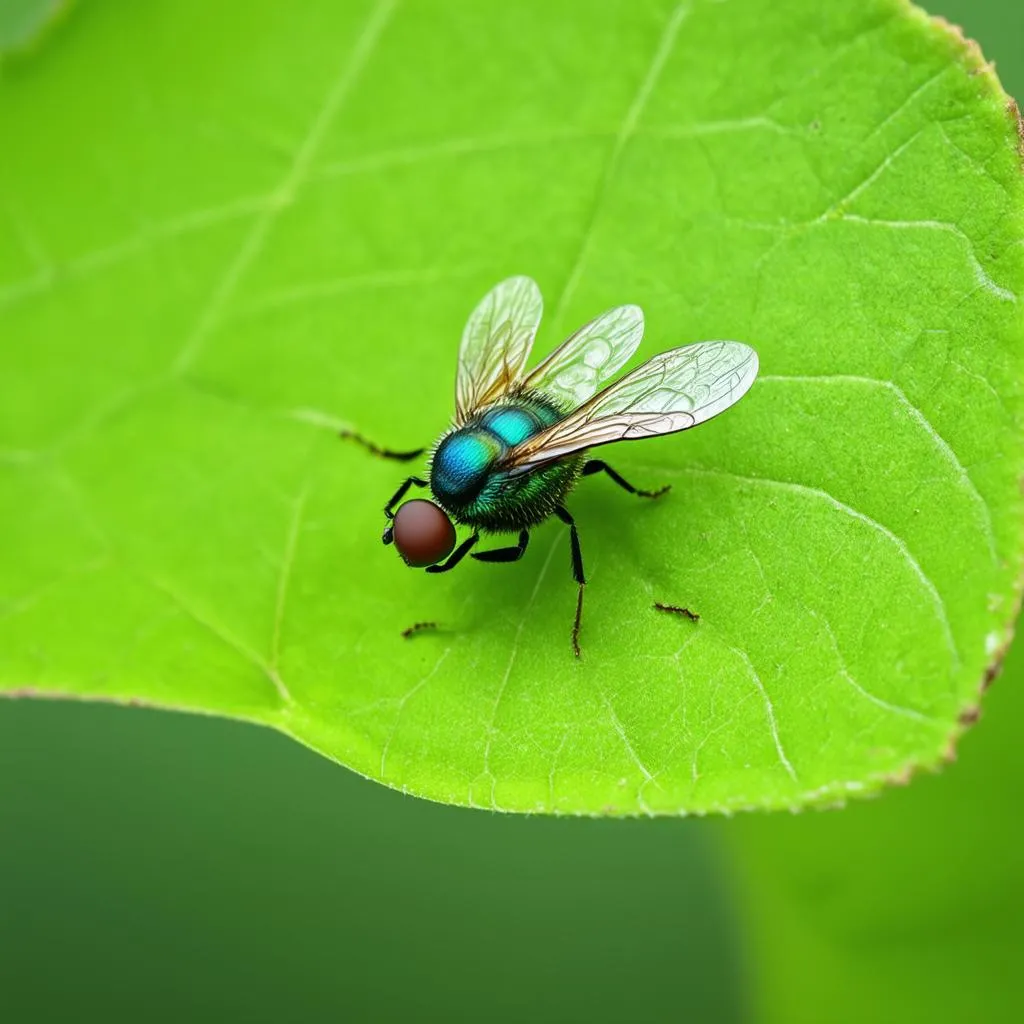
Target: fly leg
{"points": [[389, 508], [675, 609], [577, 572], [597, 466], [375, 449], [509, 554], [456, 556], [386, 453], [417, 627]]}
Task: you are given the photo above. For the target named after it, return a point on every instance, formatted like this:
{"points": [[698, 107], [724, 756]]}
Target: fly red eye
{"points": [[423, 533]]}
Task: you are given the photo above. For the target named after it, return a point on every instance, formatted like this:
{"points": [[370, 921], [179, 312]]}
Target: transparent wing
{"points": [[576, 369], [496, 343], [670, 392]]}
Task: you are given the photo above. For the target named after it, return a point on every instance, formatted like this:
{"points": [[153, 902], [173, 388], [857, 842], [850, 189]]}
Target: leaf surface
{"points": [[206, 267], [22, 22]]}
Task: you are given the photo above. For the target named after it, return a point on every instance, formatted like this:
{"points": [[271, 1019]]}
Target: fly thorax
{"points": [[512, 424], [462, 464]]}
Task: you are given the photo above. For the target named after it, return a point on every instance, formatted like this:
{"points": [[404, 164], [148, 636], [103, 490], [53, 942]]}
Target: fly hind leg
{"points": [[577, 573], [597, 466]]}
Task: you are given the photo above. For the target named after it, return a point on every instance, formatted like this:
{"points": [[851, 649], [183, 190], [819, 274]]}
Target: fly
{"points": [[521, 440]]}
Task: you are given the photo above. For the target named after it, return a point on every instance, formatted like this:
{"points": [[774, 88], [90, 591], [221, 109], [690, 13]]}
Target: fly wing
{"points": [[496, 343], [672, 391], [577, 368]]}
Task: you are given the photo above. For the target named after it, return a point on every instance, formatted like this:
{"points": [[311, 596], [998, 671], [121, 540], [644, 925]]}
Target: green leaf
{"points": [[22, 22], [209, 265]]}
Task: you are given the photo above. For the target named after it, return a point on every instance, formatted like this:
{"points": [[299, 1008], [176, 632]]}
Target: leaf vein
{"points": [[222, 633], [212, 312], [901, 546], [284, 579], [626, 129], [352, 283], [847, 675], [907, 101], [943, 446], [85, 265], [769, 710], [409, 694], [413, 155], [981, 275], [508, 667]]}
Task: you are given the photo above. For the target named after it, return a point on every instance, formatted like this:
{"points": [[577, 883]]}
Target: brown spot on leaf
{"points": [[995, 666], [1014, 111], [969, 715]]}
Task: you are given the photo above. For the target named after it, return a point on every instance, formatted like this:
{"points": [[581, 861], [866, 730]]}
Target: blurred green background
{"points": [[161, 867]]}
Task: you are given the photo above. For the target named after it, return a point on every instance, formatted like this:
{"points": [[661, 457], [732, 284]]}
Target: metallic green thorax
{"points": [[465, 473]]}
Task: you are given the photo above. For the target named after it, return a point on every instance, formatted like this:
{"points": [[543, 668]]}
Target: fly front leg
{"points": [[412, 481], [389, 508], [577, 572], [509, 554], [456, 556], [388, 536], [597, 466]]}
